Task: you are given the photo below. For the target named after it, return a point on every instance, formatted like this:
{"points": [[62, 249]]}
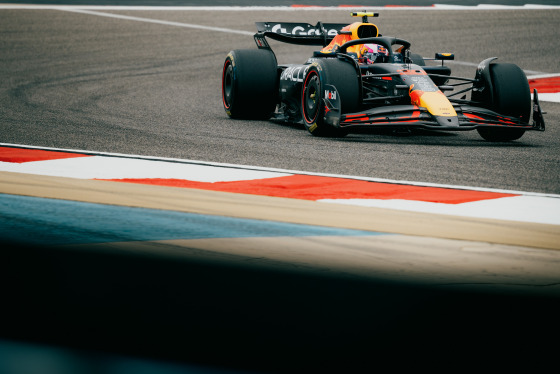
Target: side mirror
{"points": [[445, 56]]}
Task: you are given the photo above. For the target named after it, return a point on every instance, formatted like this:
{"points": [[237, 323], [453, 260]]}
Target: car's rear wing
{"points": [[297, 33]]}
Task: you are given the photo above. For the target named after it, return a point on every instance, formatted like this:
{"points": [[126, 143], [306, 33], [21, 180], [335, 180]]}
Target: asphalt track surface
{"points": [[82, 81], [275, 2]]}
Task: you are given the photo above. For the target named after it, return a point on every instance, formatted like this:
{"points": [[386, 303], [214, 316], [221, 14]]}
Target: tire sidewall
{"points": [[340, 74], [317, 122], [510, 95], [229, 103], [511, 92], [254, 84]]}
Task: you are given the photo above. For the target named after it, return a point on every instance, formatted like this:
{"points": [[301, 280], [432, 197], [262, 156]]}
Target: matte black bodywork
{"points": [[386, 88]]}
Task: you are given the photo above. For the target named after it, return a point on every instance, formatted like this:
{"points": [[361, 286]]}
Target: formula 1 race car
{"points": [[361, 79]]}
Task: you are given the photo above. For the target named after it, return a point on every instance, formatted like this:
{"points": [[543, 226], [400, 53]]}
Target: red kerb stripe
{"points": [[545, 85], [20, 155], [315, 188]]}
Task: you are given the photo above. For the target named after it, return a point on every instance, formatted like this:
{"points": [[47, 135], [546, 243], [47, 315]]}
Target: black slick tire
{"points": [[511, 96], [250, 84], [338, 73]]}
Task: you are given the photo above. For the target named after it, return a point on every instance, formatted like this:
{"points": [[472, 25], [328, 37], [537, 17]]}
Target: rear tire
{"points": [[511, 96], [341, 75], [250, 84]]}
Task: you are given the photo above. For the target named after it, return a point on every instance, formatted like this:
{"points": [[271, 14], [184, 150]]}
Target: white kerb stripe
{"points": [[516, 208], [99, 167]]}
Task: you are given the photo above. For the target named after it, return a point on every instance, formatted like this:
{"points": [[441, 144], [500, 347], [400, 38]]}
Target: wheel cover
{"points": [[311, 97], [227, 85]]}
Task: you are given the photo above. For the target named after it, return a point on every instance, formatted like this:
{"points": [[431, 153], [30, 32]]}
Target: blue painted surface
{"points": [[34, 220]]}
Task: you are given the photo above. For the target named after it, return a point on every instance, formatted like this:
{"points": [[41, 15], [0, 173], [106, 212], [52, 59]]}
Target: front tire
{"points": [[511, 96], [339, 74], [250, 84]]}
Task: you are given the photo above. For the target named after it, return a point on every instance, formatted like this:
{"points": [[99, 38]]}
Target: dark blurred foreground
{"points": [[147, 313]]}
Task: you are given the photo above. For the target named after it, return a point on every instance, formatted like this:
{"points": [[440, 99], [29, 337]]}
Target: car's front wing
{"points": [[468, 118]]}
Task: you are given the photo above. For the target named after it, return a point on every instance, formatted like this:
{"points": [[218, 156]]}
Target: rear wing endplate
{"points": [[297, 33]]}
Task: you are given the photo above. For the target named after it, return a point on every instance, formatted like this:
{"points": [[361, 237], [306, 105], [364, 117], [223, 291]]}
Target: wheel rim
{"points": [[311, 97], [227, 85]]}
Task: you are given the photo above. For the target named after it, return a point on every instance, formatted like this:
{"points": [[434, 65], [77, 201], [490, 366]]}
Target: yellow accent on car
{"points": [[437, 104], [363, 30], [362, 14]]}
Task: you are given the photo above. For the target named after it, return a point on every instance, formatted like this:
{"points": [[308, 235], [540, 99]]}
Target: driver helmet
{"points": [[371, 53]]}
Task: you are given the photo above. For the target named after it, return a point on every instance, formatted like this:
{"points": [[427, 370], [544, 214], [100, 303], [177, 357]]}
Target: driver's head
{"points": [[371, 53]]}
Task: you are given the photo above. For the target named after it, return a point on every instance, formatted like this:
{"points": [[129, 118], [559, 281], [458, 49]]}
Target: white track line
{"points": [[515, 208], [94, 10], [284, 171], [544, 75], [209, 28], [103, 167], [151, 20], [87, 10], [519, 207]]}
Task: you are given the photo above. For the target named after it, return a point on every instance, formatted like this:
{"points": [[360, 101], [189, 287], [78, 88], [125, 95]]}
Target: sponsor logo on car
{"points": [[294, 73], [331, 95], [300, 30]]}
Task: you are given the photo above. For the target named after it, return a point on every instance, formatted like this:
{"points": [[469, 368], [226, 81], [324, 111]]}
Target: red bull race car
{"points": [[362, 79]]}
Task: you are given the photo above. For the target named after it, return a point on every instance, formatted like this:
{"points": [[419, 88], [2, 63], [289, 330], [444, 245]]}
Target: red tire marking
{"points": [[308, 187], [21, 155]]}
